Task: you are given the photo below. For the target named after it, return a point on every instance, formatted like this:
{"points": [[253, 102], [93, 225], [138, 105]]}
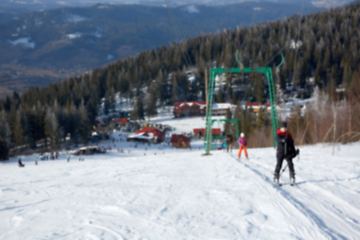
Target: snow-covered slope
{"points": [[178, 194]]}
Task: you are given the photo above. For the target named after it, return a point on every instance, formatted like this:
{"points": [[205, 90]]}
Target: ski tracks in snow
{"points": [[332, 216], [181, 195]]}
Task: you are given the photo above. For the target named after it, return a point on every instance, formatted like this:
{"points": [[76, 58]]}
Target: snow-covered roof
{"points": [[223, 106], [202, 104], [143, 135], [85, 148]]}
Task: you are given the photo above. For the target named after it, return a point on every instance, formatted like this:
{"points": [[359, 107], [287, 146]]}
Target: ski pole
{"points": [[298, 157], [283, 169]]}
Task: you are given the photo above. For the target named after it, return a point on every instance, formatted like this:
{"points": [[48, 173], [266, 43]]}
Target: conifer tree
{"points": [[18, 130], [174, 88], [28, 131], [4, 149], [347, 76], [140, 107], [151, 105], [259, 89], [160, 87], [107, 103], [39, 124], [112, 100], [51, 128], [73, 123], [245, 120], [261, 119], [92, 109], [84, 125], [5, 136]]}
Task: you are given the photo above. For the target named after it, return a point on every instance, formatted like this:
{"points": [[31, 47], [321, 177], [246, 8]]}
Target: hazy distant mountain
{"points": [[10, 9], [57, 43], [153, 2]]}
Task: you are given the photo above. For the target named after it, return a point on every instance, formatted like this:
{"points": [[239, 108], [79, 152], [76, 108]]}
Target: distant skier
{"points": [[229, 142], [242, 146], [285, 150], [20, 163], [223, 145]]}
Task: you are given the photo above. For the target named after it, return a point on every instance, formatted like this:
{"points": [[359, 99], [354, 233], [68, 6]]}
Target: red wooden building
{"points": [[201, 131], [188, 109], [180, 141], [122, 121]]}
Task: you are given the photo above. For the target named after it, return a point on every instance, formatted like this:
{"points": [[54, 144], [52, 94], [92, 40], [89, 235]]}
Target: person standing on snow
{"points": [[223, 145], [285, 150], [229, 141], [20, 163], [242, 146]]}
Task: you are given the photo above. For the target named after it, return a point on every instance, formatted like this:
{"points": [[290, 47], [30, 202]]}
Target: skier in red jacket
{"points": [[285, 150]]}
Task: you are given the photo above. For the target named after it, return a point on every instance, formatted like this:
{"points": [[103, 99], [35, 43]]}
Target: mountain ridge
{"points": [[71, 41]]}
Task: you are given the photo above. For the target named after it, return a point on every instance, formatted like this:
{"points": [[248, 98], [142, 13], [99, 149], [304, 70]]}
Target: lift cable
{"points": [[241, 65], [297, 37], [177, 32], [296, 41], [246, 36]]}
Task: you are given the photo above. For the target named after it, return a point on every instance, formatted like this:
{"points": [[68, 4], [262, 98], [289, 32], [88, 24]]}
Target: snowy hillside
{"points": [[178, 194]]}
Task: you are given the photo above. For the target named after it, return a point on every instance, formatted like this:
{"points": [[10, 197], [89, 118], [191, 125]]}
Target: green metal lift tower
{"points": [[209, 101]]}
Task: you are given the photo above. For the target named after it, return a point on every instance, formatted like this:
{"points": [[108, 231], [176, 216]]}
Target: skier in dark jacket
{"points": [[229, 142], [20, 163], [285, 150]]}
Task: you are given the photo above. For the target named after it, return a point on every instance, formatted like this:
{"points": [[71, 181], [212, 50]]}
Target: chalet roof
{"points": [[201, 104], [268, 105], [197, 102], [257, 105], [223, 106], [143, 135], [156, 132], [122, 120]]}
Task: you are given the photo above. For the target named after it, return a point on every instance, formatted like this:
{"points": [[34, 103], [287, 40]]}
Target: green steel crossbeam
{"points": [[213, 73], [234, 120]]}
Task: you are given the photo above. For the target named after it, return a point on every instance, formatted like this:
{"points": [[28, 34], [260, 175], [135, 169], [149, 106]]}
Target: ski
{"points": [[276, 182], [292, 181]]}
